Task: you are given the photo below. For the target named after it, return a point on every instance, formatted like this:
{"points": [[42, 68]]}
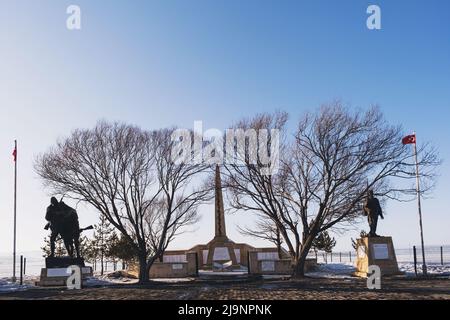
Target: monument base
{"points": [[63, 262], [57, 277], [55, 273], [377, 251]]}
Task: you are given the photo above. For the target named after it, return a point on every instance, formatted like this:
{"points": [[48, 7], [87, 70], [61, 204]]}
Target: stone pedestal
{"points": [[376, 251], [55, 274]]}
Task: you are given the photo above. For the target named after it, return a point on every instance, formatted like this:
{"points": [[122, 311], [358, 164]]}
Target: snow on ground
{"points": [[333, 270], [103, 281], [7, 285], [432, 269], [107, 279], [345, 270], [173, 280]]}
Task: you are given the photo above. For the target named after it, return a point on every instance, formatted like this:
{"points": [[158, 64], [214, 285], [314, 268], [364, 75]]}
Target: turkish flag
{"points": [[409, 139], [15, 154]]}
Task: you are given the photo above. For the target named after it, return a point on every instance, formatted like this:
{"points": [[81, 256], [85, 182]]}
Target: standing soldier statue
{"points": [[63, 221], [372, 210]]}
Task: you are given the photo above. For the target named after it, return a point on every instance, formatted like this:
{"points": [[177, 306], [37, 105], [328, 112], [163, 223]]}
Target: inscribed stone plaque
{"points": [[175, 258], [177, 266], [380, 251], [57, 272], [267, 255], [267, 265], [221, 253]]}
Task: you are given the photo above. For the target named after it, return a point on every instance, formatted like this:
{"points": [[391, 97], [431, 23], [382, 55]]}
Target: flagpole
{"points": [[424, 266], [15, 209]]}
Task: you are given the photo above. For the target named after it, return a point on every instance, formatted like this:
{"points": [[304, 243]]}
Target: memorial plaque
{"points": [[63, 272], [177, 266], [175, 258], [57, 272], [267, 256], [221, 253], [267, 265], [380, 251]]}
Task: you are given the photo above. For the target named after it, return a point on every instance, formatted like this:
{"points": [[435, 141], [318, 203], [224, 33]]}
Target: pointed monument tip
{"points": [[219, 209]]}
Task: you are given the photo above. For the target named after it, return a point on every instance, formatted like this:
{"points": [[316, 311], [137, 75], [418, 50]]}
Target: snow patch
{"points": [[7, 285], [432, 269], [333, 271]]}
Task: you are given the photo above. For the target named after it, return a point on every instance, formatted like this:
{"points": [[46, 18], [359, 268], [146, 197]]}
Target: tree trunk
{"points": [[299, 266], [299, 269], [101, 263], [144, 272], [149, 265]]}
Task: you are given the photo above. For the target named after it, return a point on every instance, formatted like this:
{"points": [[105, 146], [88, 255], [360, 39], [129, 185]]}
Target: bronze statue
{"points": [[63, 220], [372, 209]]}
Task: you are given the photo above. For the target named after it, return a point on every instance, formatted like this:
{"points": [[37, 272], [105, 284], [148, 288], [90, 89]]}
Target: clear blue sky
{"points": [[161, 63]]}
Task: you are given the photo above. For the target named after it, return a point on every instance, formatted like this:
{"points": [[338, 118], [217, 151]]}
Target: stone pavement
{"points": [[305, 289]]}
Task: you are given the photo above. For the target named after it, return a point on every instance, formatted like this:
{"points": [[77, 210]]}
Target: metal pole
{"points": [[350, 255], [15, 210], [21, 270], [415, 260], [340, 256], [442, 256], [424, 265]]}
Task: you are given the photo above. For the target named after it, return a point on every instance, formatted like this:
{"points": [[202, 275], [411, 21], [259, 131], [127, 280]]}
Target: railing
{"points": [[433, 255]]}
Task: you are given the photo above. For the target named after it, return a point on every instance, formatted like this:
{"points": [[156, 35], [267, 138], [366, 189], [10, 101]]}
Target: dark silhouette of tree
{"points": [[323, 242], [121, 248], [60, 249], [103, 236], [129, 176], [335, 157]]}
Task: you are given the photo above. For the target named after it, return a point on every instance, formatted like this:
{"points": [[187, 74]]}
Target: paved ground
{"points": [[306, 289]]}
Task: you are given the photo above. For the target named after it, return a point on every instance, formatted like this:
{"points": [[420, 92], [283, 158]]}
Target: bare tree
{"points": [[267, 230], [335, 157], [127, 175]]}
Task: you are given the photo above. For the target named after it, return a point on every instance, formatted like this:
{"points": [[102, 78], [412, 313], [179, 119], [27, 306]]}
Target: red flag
{"points": [[15, 154], [409, 139]]}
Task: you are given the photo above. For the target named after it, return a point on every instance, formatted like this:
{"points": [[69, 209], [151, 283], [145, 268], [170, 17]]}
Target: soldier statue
{"points": [[63, 221], [372, 210]]}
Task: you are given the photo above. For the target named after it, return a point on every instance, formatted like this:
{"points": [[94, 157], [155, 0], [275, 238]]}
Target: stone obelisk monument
{"points": [[221, 234], [220, 248], [221, 253]]}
